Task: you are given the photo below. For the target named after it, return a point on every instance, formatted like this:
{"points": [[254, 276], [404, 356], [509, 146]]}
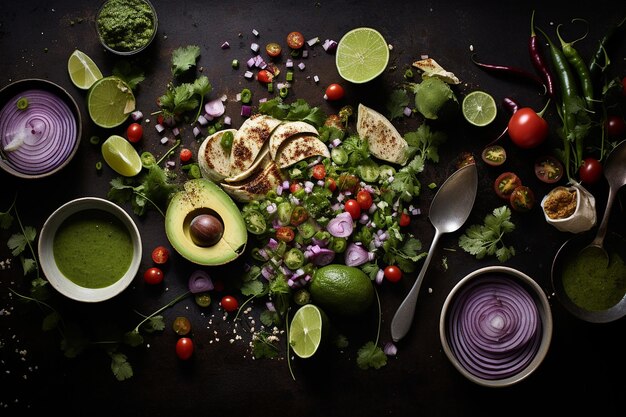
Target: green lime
{"points": [[307, 330], [479, 108], [362, 55], [110, 101], [120, 155], [341, 289], [83, 71]]}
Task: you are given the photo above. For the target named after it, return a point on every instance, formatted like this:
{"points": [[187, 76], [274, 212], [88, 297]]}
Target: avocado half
{"points": [[201, 196]]}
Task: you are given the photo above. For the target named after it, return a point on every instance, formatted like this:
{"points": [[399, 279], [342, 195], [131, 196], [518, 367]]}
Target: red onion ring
{"points": [[47, 129], [200, 281], [494, 327]]}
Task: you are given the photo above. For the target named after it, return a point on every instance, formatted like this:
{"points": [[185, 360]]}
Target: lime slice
{"points": [[83, 71], [306, 329], [362, 55], [479, 108], [120, 155], [110, 101]]}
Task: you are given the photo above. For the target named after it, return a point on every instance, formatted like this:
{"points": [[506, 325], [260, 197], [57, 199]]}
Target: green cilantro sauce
{"points": [[126, 25], [93, 248], [590, 284]]}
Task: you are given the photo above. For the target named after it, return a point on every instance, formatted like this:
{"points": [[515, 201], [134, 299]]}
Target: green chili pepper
{"points": [[246, 96], [284, 92], [227, 140], [22, 103], [294, 258], [601, 55], [94, 140], [580, 67]]}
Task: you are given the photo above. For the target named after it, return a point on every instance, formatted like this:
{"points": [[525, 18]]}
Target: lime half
{"points": [[306, 329], [83, 71], [362, 55], [479, 108], [120, 155], [110, 101]]}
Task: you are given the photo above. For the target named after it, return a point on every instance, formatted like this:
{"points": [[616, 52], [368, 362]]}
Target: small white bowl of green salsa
{"points": [[90, 249]]}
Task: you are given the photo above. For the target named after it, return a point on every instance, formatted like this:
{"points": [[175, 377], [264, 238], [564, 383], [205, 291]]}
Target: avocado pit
{"points": [[206, 230]]}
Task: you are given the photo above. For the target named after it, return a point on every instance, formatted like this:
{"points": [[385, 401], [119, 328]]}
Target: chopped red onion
{"points": [[246, 110], [380, 275], [341, 225], [202, 120], [170, 164], [289, 63], [250, 62], [196, 131], [305, 54], [136, 115], [390, 349], [248, 74], [255, 47], [407, 111], [301, 66], [356, 255], [164, 140], [227, 120], [329, 45], [316, 79], [225, 45], [200, 281], [159, 127], [313, 41], [176, 131], [321, 256], [214, 108], [255, 32]]}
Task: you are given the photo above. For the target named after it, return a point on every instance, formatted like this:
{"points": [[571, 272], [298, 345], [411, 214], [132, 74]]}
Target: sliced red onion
{"points": [[41, 137], [200, 281], [390, 349], [321, 256], [214, 108], [356, 255], [494, 327], [380, 275], [341, 225]]}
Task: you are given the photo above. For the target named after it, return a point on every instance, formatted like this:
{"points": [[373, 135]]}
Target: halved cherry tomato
{"points": [[295, 40], [334, 92], [505, 184], [229, 303], [404, 220], [153, 276], [294, 186], [285, 234], [590, 171], [273, 49], [160, 255], [393, 273], [298, 216], [353, 208], [615, 127], [319, 172], [494, 155], [185, 155], [364, 198], [134, 132], [265, 76], [527, 129], [548, 169], [522, 198], [331, 184], [184, 348], [181, 326]]}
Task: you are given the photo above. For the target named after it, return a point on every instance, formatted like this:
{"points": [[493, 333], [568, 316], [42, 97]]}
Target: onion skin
{"points": [[48, 131], [494, 328]]}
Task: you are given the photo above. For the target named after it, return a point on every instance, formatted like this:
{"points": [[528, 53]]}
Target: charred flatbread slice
{"points": [[249, 141], [266, 178], [430, 68], [287, 130], [213, 159], [261, 159], [383, 139], [300, 147]]}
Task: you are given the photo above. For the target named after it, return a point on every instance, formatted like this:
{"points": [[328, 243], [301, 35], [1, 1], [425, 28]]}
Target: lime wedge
{"points": [[83, 71], [110, 101], [362, 55], [306, 330], [120, 155], [479, 108]]}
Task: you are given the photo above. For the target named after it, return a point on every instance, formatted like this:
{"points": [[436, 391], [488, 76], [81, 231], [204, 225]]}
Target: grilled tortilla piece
{"points": [[249, 141], [383, 139], [264, 179], [261, 159], [300, 147], [287, 130], [213, 159], [430, 68]]}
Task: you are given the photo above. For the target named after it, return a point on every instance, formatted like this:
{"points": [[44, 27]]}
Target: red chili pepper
{"points": [[510, 70], [538, 60]]}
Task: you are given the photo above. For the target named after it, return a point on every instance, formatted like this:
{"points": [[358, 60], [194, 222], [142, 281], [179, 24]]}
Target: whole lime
{"points": [[341, 289]]}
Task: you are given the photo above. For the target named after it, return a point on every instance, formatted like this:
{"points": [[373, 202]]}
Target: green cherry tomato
{"points": [[181, 326], [203, 299], [273, 49], [184, 348]]}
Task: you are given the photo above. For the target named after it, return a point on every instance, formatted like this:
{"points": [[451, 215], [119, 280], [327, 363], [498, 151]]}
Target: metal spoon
{"points": [[615, 173], [449, 209]]}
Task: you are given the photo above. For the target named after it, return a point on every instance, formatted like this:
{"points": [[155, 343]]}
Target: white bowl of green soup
{"points": [[90, 249]]}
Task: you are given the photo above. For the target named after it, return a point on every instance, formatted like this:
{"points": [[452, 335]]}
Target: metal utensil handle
{"points": [[599, 239], [403, 318]]}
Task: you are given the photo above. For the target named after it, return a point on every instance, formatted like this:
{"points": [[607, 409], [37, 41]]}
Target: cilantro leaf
{"points": [[396, 103], [130, 73], [426, 142], [184, 58], [6, 220], [371, 356], [18, 242], [120, 366], [298, 110], [252, 288], [487, 239]]}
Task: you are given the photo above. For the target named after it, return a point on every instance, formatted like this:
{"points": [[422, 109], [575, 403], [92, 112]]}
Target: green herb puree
{"points": [[126, 25], [93, 248], [590, 284]]}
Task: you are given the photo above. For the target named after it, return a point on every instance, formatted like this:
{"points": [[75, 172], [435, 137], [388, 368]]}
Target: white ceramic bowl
{"points": [[46, 256], [544, 318]]}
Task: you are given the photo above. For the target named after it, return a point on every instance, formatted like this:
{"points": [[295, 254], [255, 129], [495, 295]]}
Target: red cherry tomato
{"points": [[364, 198], [404, 220], [522, 199], [229, 303], [393, 273], [184, 348], [331, 184], [265, 76], [295, 40], [590, 171], [285, 234], [615, 127], [160, 255], [334, 92], [352, 206], [294, 186], [505, 184], [527, 129], [153, 276], [134, 132], [319, 172], [273, 49], [185, 155], [548, 169]]}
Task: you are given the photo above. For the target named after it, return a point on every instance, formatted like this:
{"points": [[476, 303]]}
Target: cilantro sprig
{"points": [[487, 239]]}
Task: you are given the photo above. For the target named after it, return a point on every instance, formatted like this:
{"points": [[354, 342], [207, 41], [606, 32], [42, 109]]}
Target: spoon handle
{"points": [[599, 239], [402, 320]]}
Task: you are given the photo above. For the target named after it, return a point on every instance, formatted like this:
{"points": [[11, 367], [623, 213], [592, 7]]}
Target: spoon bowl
{"points": [[449, 209]]}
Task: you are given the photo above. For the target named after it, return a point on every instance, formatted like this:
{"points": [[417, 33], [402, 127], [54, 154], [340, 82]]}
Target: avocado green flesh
{"points": [[201, 196]]}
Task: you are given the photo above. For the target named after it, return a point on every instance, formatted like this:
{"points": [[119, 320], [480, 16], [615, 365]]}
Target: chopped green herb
{"points": [[487, 239]]}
